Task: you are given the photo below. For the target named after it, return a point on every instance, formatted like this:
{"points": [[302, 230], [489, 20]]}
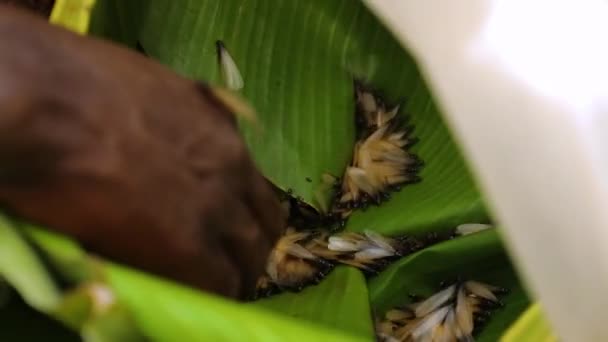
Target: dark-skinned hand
{"points": [[142, 166]]}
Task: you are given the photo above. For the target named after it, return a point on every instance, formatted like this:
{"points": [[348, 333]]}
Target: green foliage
{"points": [[298, 60]]}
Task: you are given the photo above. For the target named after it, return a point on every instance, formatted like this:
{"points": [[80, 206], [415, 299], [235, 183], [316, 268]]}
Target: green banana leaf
{"points": [[299, 60], [169, 312], [340, 301], [158, 310]]}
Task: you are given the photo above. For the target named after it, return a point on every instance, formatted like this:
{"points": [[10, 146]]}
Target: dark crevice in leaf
{"points": [[24, 324]]}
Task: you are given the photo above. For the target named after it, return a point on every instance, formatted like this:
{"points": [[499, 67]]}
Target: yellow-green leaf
{"points": [[74, 15], [530, 327]]}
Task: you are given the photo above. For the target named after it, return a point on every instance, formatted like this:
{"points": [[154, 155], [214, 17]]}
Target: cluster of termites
{"points": [[453, 314]]}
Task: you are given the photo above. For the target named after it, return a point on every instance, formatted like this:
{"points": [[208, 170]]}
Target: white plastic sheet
{"points": [[524, 87]]}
